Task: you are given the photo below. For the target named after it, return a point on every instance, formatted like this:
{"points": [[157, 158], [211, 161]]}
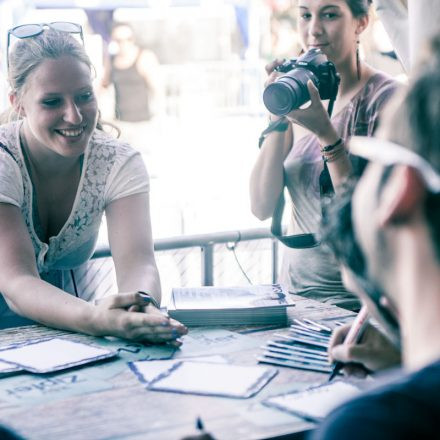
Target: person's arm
{"points": [[267, 176], [27, 295], [24, 291], [131, 244]]}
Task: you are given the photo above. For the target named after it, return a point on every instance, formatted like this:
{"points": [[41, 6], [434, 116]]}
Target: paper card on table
{"points": [[211, 379], [47, 355], [8, 368], [147, 371], [316, 402]]}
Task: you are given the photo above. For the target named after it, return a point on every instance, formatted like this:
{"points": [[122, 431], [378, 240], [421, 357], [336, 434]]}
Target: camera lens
{"points": [[289, 92], [279, 98]]}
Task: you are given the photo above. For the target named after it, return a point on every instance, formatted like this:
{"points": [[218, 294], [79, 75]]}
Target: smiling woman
{"points": [[59, 172], [311, 148]]}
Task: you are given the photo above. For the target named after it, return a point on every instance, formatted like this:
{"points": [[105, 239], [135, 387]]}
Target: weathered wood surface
{"points": [[105, 400]]}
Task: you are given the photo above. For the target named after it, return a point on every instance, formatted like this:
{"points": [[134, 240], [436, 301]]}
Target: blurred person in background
{"points": [[134, 73], [293, 156]]}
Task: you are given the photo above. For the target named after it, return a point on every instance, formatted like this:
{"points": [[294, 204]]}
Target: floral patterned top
{"points": [[111, 170]]}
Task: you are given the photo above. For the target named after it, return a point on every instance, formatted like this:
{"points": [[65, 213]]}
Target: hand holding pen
{"points": [[356, 331], [376, 352]]}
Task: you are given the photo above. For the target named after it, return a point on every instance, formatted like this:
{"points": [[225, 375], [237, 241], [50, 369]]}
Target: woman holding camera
{"points": [[293, 155]]}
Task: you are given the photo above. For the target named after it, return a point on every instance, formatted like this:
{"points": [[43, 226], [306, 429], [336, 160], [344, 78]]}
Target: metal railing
{"points": [[208, 244]]}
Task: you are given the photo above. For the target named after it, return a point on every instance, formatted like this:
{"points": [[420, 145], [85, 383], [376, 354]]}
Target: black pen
{"points": [[199, 424], [353, 335]]}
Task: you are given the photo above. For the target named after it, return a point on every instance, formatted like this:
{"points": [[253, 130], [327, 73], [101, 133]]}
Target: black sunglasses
{"points": [[32, 30]]}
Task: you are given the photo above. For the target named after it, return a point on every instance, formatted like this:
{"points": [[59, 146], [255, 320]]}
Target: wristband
{"points": [[331, 147], [279, 126]]}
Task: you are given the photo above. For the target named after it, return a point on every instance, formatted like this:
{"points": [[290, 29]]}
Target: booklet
{"points": [[148, 370], [52, 354], [299, 348], [314, 403], [8, 368], [213, 379], [248, 305]]}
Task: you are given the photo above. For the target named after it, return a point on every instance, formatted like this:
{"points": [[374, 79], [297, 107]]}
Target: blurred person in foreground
{"points": [[295, 155], [396, 218], [59, 173]]}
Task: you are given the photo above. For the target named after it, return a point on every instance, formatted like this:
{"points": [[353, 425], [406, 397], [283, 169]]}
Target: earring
{"points": [[358, 61]]}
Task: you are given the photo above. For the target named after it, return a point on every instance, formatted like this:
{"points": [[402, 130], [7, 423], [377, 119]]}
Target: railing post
{"points": [[207, 265], [275, 248]]}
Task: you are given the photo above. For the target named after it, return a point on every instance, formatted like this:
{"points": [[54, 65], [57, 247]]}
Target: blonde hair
{"points": [[27, 54]]}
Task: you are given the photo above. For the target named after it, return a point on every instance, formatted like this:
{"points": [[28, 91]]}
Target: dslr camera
{"points": [[290, 92]]}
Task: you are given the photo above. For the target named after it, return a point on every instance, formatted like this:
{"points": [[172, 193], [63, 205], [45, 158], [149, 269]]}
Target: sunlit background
{"points": [[202, 141]]}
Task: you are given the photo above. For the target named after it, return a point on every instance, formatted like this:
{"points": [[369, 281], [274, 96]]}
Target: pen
{"points": [[199, 424], [353, 335]]}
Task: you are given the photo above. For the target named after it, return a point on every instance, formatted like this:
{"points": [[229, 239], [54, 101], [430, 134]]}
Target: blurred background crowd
{"points": [[198, 115]]}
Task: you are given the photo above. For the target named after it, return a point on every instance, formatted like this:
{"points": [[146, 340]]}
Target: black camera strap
{"points": [[280, 124], [299, 241]]}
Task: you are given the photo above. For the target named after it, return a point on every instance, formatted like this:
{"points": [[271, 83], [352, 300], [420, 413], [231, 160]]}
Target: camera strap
{"points": [[280, 125], [299, 241]]}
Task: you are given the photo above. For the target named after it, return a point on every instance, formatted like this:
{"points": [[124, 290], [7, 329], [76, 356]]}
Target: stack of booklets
{"points": [[250, 305], [303, 347]]}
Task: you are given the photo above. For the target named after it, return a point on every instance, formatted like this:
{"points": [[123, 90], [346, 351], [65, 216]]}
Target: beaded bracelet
{"points": [[333, 152], [334, 155]]}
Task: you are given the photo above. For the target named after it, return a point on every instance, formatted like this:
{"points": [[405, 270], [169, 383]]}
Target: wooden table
{"points": [[106, 401]]}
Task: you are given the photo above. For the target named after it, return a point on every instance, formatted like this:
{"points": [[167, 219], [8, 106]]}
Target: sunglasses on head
{"points": [[32, 30]]}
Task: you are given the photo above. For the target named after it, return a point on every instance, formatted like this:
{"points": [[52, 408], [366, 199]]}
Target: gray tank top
{"points": [[132, 97]]}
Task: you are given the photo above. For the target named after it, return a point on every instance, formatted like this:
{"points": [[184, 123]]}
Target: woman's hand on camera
{"points": [[132, 316], [314, 117], [272, 76]]}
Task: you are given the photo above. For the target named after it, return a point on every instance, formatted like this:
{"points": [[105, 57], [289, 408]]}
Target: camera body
{"points": [[290, 92]]}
